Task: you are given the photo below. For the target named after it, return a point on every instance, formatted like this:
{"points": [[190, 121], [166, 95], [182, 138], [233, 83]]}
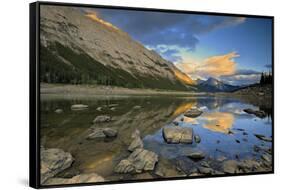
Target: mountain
{"points": [[80, 48], [214, 85]]}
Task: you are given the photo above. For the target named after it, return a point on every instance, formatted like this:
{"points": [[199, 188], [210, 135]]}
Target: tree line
{"points": [[266, 78]]}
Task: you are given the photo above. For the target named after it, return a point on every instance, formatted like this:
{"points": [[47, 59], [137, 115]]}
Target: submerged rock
{"points": [[196, 155], [82, 178], [193, 113], [58, 111], [53, 161], [137, 107], [178, 134], [140, 160], [99, 109], [102, 119], [264, 138], [258, 113], [79, 107], [197, 139]]}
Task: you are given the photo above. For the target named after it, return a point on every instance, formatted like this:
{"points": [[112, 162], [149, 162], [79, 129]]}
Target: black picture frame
{"points": [[34, 91]]}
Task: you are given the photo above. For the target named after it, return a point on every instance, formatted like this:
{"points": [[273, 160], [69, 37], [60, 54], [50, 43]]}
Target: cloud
{"points": [[268, 66], [214, 66], [154, 28], [242, 77]]}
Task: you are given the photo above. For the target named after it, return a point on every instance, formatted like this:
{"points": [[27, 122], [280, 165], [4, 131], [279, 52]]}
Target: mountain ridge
{"points": [[69, 36]]}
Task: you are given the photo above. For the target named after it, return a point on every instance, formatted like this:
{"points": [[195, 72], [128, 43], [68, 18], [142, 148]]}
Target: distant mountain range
{"points": [[214, 85], [77, 48]]}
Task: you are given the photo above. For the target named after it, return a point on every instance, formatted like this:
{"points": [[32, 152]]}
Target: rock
{"points": [[221, 158], [140, 160], [258, 113], [230, 166], [136, 143], [205, 164], [136, 133], [96, 133], [82, 178], [112, 105], [264, 138], [178, 135], [110, 132], [244, 133], [197, 139], [79, 107], [266, 157], [101, 133], [230, 132], [137, 107], [193, 113], [249, 165], [239, 129], [99, 109], [53, 161], [125, 166], [102, 119], [164, 168], [197, 155], [205, 170], [257, 148], [195, 174], [176, 123], [58, 111]]}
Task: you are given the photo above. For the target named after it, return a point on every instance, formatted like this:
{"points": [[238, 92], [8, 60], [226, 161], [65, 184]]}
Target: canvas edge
{"points": [[34, 97]]}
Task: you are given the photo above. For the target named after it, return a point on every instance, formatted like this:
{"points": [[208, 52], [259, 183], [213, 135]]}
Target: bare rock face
{"points": [[83, 178], [193, 113], [53, 161], [139, 161], [178, 135], [110, 46]]}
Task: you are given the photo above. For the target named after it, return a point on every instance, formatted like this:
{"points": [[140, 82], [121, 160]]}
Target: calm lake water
{"points": [[68, 130]]}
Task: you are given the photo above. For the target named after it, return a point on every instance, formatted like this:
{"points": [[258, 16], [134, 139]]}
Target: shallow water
{"points": [[68, 130]]}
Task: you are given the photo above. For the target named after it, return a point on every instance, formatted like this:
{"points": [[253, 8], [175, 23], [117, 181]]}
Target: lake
{"points": [[225, 130]]}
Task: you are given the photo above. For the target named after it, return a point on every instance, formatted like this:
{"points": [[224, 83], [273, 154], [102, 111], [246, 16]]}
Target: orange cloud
{"points": [[94, 16], [215, 66], [218, 121]]}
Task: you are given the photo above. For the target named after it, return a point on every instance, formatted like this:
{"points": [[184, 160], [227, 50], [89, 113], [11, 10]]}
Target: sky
{"points": [[232, 49]]}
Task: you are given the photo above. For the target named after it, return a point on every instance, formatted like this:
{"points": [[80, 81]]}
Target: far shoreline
{"points": [[99, 90]]}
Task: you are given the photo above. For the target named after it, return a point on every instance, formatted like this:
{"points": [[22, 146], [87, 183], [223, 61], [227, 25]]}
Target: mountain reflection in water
{"points": [[68, 130]]}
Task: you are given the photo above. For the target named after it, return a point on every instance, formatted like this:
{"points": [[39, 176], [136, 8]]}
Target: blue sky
{"points": [[233, 49]]}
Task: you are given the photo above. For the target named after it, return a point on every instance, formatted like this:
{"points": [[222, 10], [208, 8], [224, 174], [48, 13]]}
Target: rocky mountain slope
{"points": [[77, 48]]}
